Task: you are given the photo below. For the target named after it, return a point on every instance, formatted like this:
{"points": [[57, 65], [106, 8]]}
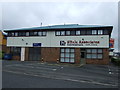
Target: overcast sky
{"points": [[19, 15]]}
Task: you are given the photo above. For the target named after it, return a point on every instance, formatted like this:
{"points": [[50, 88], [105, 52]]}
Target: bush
{"points": [[116, 61]]}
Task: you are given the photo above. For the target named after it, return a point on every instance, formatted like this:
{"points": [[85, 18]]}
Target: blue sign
{"points": [[37, 44]]}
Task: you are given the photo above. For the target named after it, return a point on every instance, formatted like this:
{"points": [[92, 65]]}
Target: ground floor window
{"points": [[15, 51], [94, 53], [67, 55]]}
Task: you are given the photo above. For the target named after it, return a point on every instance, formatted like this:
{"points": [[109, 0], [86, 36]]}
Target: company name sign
{"points": [[79, 43]]}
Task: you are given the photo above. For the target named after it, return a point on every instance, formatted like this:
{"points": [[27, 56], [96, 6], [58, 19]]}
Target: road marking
{"points": [[62, 78]]}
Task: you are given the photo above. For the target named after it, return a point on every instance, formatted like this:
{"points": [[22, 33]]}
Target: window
{"points": [[27, 33], [21, 34], [83, 32], [15, 51], [94, 53], [62, 33], [67, 55], [100, 32], [35, 33], [77, 32], [31, 33], [9, 33], [106, 32], [88, 32], [57, 33], [67, 32], [72, 32], [40, 33], [16, 33], [44, 33], [94, 31]]}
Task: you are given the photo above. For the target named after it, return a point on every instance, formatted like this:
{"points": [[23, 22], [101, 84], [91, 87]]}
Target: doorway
{"points": [[34, 53], [83, 57]]}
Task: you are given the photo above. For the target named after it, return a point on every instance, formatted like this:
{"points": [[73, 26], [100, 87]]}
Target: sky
{"points": [[31, 14]]}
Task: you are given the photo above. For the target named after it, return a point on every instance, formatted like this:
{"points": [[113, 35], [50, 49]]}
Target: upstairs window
{"points": [[62, 33], [16, 33], [77, 32], [27, 33], [44, 33], [67, 32], [106, 32], [88, 32], [58, 33], [35, 33], [94, 32], [72, 33], [31, 33], [83, 32], [100, 32]]}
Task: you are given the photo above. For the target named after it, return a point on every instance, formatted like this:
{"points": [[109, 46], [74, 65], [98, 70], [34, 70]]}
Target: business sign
{"points": [[79, 43], [112, 43], [36, 44]]}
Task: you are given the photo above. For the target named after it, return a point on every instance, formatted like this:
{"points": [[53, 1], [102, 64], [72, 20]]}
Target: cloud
{"points": [[22, 14]]}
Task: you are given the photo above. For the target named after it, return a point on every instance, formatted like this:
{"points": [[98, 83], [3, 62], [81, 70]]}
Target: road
{"points": [[31, 74]]}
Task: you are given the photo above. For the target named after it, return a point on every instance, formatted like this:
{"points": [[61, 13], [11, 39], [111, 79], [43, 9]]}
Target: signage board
{"points": [[36, 44], [111, 43]]}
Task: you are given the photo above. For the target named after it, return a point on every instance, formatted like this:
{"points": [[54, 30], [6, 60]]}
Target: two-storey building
{"points": [[70, 43]]}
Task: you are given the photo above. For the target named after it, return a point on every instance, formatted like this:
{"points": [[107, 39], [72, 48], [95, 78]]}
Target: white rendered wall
{"points": [[54, 41]]}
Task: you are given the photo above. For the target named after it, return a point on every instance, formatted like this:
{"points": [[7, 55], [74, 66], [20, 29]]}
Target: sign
{"points": [[112, 43], [79, 43], [36, 44]]}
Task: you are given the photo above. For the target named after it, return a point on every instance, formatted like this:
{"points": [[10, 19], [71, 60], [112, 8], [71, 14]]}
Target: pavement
{"points": [[58, 75]]}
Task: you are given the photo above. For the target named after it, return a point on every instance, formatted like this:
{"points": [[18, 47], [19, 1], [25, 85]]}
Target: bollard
{"points": [[42, 59], [57, 60]]}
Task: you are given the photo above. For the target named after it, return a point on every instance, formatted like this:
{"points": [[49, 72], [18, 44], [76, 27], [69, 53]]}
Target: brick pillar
{"points": [[77, 55]]}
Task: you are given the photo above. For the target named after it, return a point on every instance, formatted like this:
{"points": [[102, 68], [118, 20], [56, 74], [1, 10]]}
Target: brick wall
{"points": [[77, 55], [50, 54]]}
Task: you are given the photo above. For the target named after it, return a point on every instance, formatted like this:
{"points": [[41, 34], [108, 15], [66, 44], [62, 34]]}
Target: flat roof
{"points": [[65, 26]]}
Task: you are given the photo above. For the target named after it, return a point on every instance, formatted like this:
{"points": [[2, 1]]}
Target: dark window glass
{"points": [[105, 32], [72, 32], [31, 33], [35, 33], [67, 32], [15, 51], [83, 32], [88, 32], [21, 34], [9, 34]]}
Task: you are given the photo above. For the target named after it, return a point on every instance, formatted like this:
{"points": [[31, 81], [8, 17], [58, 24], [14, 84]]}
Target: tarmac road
{"points": [[31, 74]]}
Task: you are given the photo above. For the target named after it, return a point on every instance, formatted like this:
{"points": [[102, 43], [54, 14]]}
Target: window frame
{"points": [[97, 53], [70, 53]]}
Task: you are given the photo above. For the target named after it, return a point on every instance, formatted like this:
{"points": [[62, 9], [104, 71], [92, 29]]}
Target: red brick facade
{"points": [[53, 54]]}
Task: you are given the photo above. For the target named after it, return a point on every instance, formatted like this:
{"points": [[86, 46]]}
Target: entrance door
{"points": [[34, 53], [83, 56]]}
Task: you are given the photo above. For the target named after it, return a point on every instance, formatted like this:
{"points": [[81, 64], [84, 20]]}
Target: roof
{"points": [[65, 26]]}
